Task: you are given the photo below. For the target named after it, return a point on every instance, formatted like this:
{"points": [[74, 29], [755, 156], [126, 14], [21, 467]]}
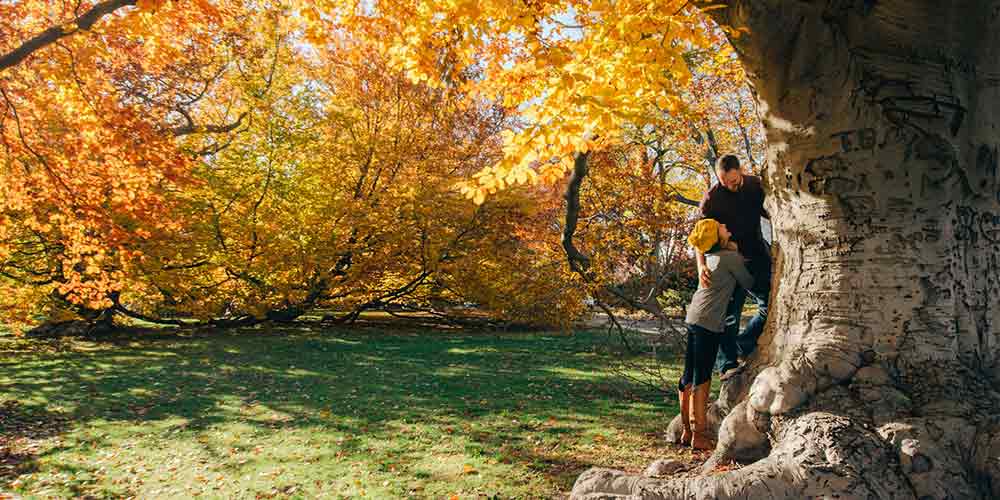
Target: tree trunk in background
{"points": [[877, 375]]}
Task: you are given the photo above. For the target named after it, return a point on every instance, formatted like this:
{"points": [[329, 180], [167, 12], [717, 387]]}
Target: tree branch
{"points": [[577, 261], [51, 35], [685, 200], [191, 128]]}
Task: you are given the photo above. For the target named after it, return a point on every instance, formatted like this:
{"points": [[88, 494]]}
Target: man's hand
{"points": [[705, 277]]}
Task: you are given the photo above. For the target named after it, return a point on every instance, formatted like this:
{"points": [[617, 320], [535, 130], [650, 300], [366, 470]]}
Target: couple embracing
{"points": [[734, 263]]}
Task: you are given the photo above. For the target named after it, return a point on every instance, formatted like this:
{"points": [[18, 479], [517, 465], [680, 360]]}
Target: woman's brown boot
{"points": [[701, 438], [684, 396]]}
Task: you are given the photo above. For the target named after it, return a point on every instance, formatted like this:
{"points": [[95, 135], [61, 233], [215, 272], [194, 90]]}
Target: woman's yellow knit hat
{"points": [[704, 235]]}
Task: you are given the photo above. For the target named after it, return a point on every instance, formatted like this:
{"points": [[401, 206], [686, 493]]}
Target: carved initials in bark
{"points": [[876, 375], [856, 140]]}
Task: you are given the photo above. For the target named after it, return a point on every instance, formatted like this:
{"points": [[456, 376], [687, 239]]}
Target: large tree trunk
{"points": [[877, 375]]}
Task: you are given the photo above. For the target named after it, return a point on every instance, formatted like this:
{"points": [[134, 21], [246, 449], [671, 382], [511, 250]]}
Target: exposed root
{"points": [[741, 438], [826, 360], [931, 460], [817, 453], [870, 448]]}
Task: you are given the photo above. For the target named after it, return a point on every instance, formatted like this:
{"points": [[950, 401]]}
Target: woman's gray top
{"points": [[708, 306]]}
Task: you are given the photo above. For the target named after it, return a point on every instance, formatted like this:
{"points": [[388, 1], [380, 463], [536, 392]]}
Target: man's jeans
{"points": [[734, 342]]}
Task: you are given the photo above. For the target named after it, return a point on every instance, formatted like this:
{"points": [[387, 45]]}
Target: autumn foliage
{"points": [[188, 168], [88, 126], [580, 72], [225, 162]]}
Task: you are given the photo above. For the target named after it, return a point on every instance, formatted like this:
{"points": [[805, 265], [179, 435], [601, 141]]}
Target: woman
{"points": [[704, 321]]}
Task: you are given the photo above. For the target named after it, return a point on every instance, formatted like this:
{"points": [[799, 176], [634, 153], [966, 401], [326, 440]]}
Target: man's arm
{"points": [[705, 206], [763, 211], [740, 272], [704, 273]]}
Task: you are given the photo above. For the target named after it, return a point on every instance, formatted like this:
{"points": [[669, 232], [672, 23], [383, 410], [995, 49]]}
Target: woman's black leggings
{"points": [[699, 360]]}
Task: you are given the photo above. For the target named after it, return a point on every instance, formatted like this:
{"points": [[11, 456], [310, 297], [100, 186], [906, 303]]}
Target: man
{"points": [[738, 202]]}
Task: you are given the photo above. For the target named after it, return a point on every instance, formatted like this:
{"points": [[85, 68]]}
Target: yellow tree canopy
{"points": [[160, 160], [577, 70], [143, 142]]}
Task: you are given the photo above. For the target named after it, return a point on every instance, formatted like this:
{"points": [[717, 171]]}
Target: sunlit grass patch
{"points": [[333, 414]]}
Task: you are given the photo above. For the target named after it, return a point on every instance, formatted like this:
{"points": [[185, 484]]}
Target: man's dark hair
{"points": [[727, 163]]}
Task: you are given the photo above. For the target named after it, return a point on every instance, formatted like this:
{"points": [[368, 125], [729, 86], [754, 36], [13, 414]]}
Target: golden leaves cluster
{"points": [[333, 158], [334, 188], [576, 71]]}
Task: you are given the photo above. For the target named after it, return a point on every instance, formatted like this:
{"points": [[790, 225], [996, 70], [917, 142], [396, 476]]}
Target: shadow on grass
{"points": [[358, 383], [20, 425]]}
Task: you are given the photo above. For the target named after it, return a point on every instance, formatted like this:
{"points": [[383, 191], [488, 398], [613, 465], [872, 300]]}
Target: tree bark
{"points": [[878, 371]]}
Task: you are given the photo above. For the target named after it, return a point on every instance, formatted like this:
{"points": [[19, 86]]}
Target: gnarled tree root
{"points": [[817, 453], [841, 443]]}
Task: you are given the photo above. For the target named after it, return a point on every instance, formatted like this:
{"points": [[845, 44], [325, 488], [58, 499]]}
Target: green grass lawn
{"points": [[331, 414]]}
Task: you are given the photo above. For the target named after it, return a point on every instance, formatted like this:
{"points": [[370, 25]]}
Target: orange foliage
{"points": [[86, 129], [162, 160], [187, 168]]}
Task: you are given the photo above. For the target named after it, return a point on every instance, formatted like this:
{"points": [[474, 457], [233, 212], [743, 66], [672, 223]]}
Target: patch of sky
{"points": [[564, 25]]}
